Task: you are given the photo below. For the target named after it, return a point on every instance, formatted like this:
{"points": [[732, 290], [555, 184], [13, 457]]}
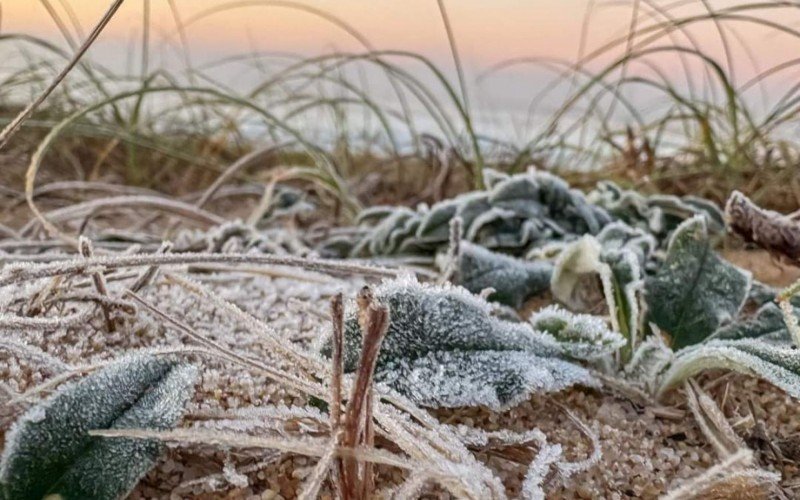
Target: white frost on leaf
{"points": [[694, 292], [582, 336], [443, 347], [513, 280], [778, 363]]}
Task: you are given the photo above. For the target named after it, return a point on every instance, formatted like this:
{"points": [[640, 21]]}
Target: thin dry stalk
{"points": [[337, 317], [149, 274], [86, 250], [374, 320], [17, 122], [337, 314], [225, 353], [18, 272], [712, 421]]}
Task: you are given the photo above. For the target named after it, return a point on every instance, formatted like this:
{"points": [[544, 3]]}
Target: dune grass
{"points": [[178, 128]]}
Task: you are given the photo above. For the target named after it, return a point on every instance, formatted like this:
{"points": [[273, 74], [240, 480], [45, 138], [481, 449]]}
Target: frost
{"points": [[659, 215], [548, 456], [497, 379], [766, 324], [49, 451], [513, 280], [581, 336], [517, 213], [616, 257], [694, 292], [648, 362], [444, 348]]}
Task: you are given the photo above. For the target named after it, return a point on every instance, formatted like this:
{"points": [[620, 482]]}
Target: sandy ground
{"points": [[643, 454]]}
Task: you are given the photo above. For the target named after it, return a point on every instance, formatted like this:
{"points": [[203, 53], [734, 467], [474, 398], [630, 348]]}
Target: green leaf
{"points": [[444, 348], [776, 362], [694, 292], [514, 280], [616, 257], [49, 451], [580, 336], [767, 324], [497, 379]]}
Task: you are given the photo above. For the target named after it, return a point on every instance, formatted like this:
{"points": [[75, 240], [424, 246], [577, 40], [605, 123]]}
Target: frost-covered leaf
{"points": [[576, 268], [381, 242], [491, 177], [776, 362], [695, 291], [514, 280], [648, 362], [49, 451], [375, 214], [576, 274], [435, 225], [659, 215], [497, 379], [471, 206], [429, 323], [767, 324], [581, 336]]}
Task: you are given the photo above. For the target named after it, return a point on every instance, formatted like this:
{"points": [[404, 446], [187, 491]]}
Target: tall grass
{"points": [[176, 127]]}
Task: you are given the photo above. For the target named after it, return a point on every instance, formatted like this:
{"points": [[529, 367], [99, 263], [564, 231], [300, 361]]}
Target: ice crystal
{"points": [[581, 336]]}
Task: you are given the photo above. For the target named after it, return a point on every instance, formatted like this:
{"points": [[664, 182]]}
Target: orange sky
{"points": [[487, 30]]}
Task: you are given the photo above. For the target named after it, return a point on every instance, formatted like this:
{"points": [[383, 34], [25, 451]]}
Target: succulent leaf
{"points": [[49, 451]]}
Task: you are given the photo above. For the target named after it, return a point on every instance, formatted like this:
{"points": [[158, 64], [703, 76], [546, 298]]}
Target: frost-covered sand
{"points": [[644, 452]]}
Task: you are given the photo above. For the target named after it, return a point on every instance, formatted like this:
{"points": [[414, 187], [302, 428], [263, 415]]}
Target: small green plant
{"points": [[443, 348], [515, 214], [694, 292], [49, 452]]}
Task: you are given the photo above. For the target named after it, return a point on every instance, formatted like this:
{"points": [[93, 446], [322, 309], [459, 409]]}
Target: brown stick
{"points": [[87, 251], [772, 231], [337, 316], [374, 321]]}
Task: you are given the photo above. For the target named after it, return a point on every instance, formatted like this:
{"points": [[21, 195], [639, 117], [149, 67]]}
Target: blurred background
{"points": [[365, 102]]}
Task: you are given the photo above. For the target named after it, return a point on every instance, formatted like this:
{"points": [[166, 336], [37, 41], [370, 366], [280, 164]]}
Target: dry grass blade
{"points": [[17, 122], [732, 478], [86, 250], [337, 314], [18, 272], [712, 422], [312, 447]]}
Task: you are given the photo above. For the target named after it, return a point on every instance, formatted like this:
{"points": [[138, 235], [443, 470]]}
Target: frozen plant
{"points": [[694, 292], [49, 452], [513, 280], [444, 349]]}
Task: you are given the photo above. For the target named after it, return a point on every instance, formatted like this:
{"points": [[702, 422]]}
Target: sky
{"points": [[488, 32]]}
